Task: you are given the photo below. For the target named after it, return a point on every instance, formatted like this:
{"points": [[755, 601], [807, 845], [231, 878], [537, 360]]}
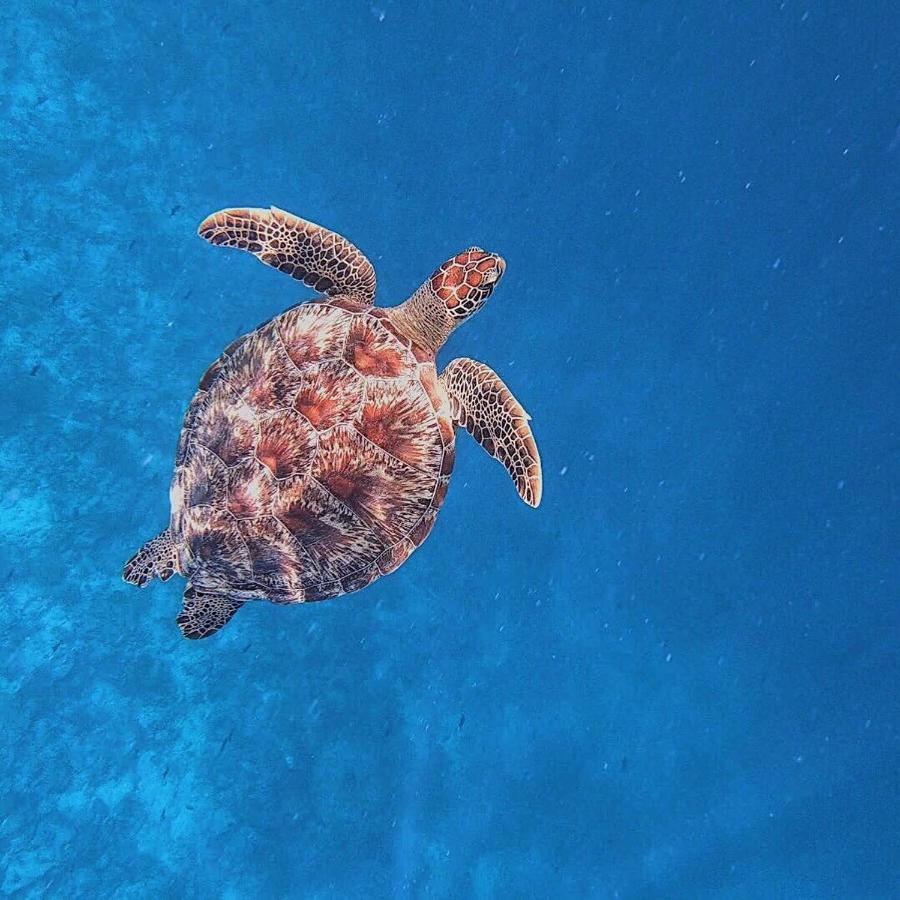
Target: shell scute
{"points": [[212, 374], [286, 445], [395, 556], [260, 373], [430, 384], [336, 540], [384, 321], [194, 414], [448, 460], [277, 560], [440, 492], [423, 527], [216, 548], [226, 426], [372, 350], [205, 477], [358, 580], [251, 490], [200, 481], [384, 492], [399, 419], [325, 590], [328, 394], [312, 332], [347, 303]]}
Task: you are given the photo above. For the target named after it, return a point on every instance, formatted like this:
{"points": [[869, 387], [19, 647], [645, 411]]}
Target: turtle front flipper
{"points": [[325, 261], [203, 614], [157, 558], [482, 404]]}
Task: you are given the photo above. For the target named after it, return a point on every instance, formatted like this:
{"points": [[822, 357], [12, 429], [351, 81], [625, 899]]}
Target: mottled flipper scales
{"points": [[325, 261], [204, 614], [482, 404], [157, 558]]}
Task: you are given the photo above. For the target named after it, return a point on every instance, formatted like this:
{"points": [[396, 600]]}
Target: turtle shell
{"points": [[313, 458]]}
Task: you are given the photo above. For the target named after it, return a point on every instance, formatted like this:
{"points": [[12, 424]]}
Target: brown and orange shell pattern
{"points": [[313, 459]]}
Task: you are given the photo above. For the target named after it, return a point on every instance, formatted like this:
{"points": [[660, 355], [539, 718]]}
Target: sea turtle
{"points": [[317, 451]]}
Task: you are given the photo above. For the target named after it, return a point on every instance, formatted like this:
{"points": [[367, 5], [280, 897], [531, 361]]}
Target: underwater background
{"points": [[679, 676]]}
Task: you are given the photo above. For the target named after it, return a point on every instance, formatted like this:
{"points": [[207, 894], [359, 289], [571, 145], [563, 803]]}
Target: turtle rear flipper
{"points": [[203, 614], [157, 558]]}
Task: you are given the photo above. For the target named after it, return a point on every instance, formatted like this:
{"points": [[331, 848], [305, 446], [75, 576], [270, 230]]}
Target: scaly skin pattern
{"points": [[465, 282], [482, 404], [313, 459], [158, 558], [324, 260]]}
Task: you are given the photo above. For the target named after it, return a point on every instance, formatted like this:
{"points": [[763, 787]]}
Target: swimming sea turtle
{"points": [[317, 451]]}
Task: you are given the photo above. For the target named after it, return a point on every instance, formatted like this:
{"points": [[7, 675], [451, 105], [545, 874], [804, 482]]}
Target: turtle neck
{"points": [[424, 319]]}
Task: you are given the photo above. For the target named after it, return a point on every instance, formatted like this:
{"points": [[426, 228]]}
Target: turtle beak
{"points": [[496, 273]]}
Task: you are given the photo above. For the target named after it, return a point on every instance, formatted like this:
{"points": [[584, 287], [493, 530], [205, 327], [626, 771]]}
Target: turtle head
{"points": [[451, 294], [463, 283]]}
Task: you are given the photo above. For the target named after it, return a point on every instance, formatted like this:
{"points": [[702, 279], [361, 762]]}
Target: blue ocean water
{"points": [[679, 676]]}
